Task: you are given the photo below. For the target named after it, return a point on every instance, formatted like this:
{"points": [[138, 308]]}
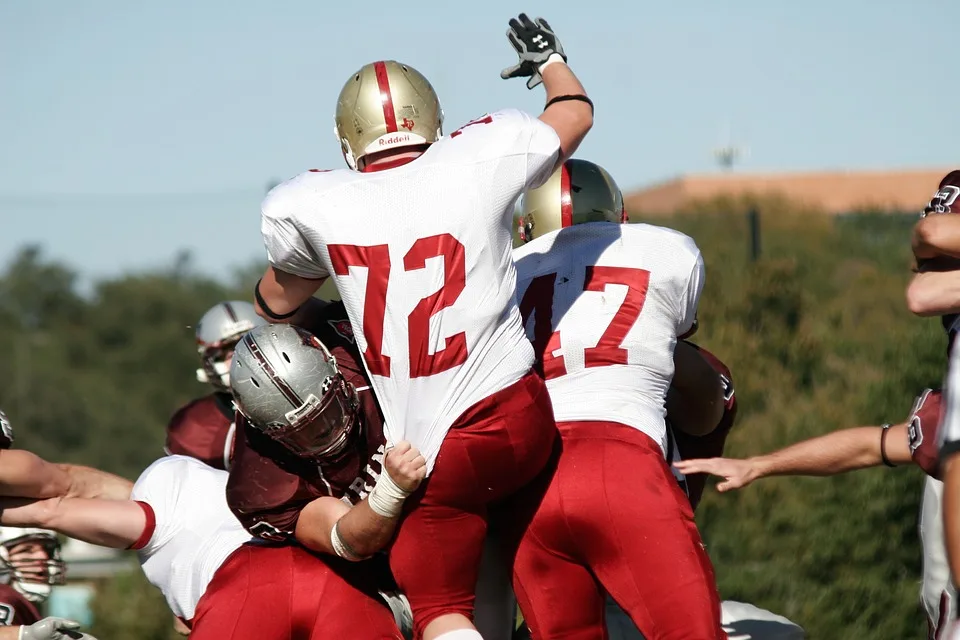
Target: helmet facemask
{"points": [[215, 364], [31, 564], [288, 386]]}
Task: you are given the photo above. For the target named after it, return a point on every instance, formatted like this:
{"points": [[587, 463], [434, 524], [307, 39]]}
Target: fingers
{"points": [[527, 23], [543, 24], [701, 465], [515, 41], [515, 25], [400, 448], [534, 80]]}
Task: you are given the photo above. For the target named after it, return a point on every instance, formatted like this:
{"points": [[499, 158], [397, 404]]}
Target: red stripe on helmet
{"points": [[566, 199], [386, 98]]}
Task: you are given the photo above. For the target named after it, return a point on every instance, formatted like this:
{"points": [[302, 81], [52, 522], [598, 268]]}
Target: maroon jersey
{"points": [[922, 429], [269, 485], [710, 445], [16, 609], [204, 429]]}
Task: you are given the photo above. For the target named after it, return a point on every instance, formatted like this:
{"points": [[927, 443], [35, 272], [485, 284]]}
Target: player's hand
{"points": [[535, 42], [406, 466], [53, 629], [736, 473]]}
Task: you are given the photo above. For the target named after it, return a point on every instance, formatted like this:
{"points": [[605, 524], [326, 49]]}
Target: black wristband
{"points": [[266, 309], [883, 444], [578, 97]]}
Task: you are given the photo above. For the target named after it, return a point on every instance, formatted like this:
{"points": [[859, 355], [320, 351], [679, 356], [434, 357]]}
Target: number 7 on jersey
{"points": [[547, 343], [376, 260]]}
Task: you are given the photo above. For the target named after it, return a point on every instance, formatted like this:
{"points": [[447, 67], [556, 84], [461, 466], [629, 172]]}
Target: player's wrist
{"points": [[553, 58], [387, 497]]}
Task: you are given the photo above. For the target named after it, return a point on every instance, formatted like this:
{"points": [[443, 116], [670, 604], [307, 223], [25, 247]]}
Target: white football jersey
{"points": [[194, 533], [421, 255], [603, 304]]}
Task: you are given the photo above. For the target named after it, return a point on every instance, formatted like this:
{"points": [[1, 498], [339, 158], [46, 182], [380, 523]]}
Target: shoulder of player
{"points": [[484, 132], [310, 183], [663, 236], [168, 472], [199, 409]]}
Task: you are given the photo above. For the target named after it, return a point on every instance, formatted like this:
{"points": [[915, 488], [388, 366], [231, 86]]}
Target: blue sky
{"points": [[131, 130]]}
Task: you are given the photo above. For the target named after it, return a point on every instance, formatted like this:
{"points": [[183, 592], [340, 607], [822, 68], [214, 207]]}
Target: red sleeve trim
{"points": [[148, 529]]}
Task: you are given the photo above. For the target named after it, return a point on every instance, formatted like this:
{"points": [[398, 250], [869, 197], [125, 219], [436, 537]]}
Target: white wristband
{"points": [[339, 547], [387, 497], [554, 57]]}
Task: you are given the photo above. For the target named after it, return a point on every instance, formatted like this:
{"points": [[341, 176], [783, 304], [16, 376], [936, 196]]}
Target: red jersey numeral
{"points": [[376, 259], [483, 120], [454, 353], [538, 299]]}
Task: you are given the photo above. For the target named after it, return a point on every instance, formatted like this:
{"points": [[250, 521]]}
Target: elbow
{"points": [[920, 300]]}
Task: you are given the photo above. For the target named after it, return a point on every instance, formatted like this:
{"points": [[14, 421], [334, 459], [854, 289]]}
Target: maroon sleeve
{"points": [[203, 430], [264, 490], [15, 609], [922, 429]]}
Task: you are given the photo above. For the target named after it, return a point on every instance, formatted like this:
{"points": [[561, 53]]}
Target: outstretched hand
{"points": [[736, 473]]}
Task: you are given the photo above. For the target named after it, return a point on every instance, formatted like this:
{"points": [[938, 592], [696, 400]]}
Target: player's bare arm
{"points": [[568, 109], [934, 293], [282, 297], [329, 525], [827, 455], [936, 236], [24, 474], [695, 401], [108, 523]]}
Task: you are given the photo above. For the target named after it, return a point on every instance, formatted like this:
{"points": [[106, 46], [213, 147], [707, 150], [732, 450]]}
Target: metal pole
{"points": [[753, 219]]}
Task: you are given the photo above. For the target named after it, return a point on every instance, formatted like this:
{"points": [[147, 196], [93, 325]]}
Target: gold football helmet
{"points": [[577, 192], [383, 106]]}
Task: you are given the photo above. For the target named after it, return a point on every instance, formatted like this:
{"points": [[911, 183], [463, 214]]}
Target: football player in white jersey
{"points": [[604, 304], [194, 550], [416, 235]]}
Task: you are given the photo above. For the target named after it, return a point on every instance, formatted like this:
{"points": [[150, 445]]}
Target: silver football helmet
{"points": [[30, 562], [288, 385], [218, 332]]}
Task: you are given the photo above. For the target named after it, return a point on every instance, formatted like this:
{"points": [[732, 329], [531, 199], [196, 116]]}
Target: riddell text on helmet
{"points": [[394, 140]]}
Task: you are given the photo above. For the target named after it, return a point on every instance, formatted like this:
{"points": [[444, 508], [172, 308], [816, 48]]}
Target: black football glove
{"points": [[534, 41]]}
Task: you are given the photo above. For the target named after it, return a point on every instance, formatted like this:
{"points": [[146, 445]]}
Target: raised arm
{"points": [[826, 455], [329, 525], [568, 110]]}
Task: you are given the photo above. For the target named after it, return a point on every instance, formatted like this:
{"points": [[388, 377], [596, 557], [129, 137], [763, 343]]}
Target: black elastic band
{"points": [[883, 444], [578, 97], [267, 310]]}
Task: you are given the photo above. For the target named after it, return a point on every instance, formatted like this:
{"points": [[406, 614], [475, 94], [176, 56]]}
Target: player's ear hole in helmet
{"points": [[288, 385], [386, 106], [217, 333], [30, 562], [578, 192]]}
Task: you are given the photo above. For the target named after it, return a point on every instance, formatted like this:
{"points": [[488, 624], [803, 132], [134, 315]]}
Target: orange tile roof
{"points": [[833, 191]]}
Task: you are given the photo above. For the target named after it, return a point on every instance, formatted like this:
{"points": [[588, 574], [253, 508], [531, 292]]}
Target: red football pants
{"points": [[614, 519], [287, 593], [491, 451]]}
